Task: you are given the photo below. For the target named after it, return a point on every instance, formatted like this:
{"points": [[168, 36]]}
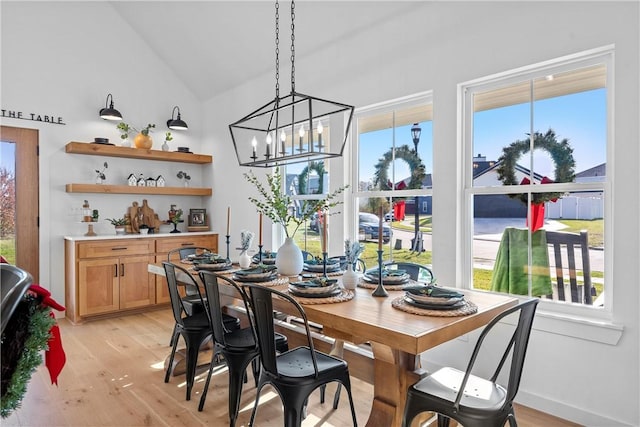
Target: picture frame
{"points": [[198, 219]]}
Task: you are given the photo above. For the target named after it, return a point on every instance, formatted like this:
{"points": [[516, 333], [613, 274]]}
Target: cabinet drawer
{"points": [[165, 244], [115, 248]]}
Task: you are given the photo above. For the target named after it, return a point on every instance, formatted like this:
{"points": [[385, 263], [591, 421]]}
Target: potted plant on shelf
{"points": [[167, 138], [100, 177], [142, 139], [279, 207], [119, 224], [124, 133]]}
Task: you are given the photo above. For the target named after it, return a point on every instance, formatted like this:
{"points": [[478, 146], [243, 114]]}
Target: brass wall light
{"points": [[293, 129], [108, 112], [176, 123]]}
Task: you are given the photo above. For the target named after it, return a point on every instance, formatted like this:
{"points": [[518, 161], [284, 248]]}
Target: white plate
{"points": [[313, 290], [434, 300]]}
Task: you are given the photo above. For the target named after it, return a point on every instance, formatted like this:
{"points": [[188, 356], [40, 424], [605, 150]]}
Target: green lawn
{"points": [[8, 249]]}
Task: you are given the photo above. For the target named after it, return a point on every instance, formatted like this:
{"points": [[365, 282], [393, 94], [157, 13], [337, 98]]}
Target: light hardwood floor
{"points": [[114, 377]]}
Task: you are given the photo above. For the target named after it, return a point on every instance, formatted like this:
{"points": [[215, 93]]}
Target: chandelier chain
{"points": [[293, 47], [277, 50]]}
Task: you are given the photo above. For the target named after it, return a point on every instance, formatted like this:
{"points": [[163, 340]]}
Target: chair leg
{"points": [[167, 375], [512, 419], [443, 421], [206, 384], [173, 335], [336, 398], [236, 375], [255, 405]]}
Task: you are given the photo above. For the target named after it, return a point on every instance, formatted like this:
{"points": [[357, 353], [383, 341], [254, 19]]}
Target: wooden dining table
{"points": [[397, 338]]}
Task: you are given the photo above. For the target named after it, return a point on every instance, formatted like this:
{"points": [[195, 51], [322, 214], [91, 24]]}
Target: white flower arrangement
{"points": [[352, 251], [246, 238]]}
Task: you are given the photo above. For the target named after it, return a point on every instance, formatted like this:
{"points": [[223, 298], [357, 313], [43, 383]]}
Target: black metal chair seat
{"points": [[296, 373], [469, 399]]}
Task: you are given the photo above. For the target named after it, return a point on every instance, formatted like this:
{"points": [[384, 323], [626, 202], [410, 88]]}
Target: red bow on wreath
{"points": [[537, 209], [544, 180], [55, 358]]}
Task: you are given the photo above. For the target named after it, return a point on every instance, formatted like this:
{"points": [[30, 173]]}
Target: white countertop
{"points": [[135, 236]]}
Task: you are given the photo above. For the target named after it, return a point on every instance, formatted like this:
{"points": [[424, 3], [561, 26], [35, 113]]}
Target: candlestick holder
{"points": [[380, 291], [228, 239], [324, 265], [260, 254]]}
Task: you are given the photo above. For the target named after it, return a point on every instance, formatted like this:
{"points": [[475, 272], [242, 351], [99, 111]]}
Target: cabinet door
{"points": [[137, 285], [98, 290]]}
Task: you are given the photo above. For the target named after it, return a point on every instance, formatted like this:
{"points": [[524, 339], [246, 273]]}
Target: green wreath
{"points": [[405, 153], [302, 178], [561, 153]]}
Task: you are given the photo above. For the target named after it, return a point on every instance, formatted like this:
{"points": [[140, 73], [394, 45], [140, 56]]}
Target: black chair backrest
{"points": [[212, 292], [415, 271], [15, 283], [516, 347], [177, 305], [565, 246], [184, 251], [262, 307]]}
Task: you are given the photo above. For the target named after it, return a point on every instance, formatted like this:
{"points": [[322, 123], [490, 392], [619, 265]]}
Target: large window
{"points": [[536, 145], [392, 166]]}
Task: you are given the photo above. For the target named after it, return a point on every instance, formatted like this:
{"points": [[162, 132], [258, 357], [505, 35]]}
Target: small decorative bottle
{"points": [[87, 214]]}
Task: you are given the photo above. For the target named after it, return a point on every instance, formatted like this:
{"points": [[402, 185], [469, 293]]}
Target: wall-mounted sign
{"points": [[44, 118]]}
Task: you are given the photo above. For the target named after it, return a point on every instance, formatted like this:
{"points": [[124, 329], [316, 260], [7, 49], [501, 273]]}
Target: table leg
{"points": [[394, 372]]}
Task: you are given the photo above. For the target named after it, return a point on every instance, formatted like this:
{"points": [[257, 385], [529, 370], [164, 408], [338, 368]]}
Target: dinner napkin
{"points": [[256, 270], [316, 283], [319, 262], [433, 291], [385, 273]]}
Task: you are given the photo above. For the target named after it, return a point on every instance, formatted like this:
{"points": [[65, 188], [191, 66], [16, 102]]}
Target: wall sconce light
{"points": [[108, 112], [177, 123]]}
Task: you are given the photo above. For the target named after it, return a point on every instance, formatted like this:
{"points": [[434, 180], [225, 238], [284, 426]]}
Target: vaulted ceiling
{"points": [[213, 46]]}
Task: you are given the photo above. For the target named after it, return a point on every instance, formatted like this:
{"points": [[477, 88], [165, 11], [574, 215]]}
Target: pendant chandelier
{"points": [[292, 129]]}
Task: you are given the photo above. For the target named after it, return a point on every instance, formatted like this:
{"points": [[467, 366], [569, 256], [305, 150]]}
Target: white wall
{"points": [[54, 59], [63, 59], [438, 46]]}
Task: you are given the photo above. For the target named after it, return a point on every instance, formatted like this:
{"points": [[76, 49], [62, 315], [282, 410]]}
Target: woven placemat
{"points": [[401, 304], [344, 295], [278, 281], [368, 285], [319, 274]]}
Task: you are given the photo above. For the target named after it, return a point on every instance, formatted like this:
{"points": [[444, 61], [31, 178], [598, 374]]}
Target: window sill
{"points": [[581, 327]]}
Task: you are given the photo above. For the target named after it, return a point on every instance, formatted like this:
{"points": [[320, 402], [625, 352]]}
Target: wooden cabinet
{"points": [[110, 276]]}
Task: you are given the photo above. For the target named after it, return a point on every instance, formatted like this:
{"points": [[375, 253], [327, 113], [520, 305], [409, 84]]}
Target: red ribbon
{"points": [[55, 357]]}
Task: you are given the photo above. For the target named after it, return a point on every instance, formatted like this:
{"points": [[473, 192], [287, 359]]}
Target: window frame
{"points": [[603, 55]]}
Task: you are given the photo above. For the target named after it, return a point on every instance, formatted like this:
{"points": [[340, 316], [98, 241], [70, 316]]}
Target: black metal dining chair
{"points": [[417, 272], [239, 347], [193, 327], [297, 372], [471, 400]]}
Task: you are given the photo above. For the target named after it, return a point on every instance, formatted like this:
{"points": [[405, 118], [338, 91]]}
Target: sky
{"points": [[581, 118], [7, 156]]}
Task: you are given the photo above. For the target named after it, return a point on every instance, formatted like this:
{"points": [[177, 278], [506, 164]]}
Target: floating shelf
{"points": [[135, 153], [129, 189]]}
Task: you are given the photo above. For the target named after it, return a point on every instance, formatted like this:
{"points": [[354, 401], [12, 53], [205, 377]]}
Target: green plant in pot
{"points": [[279, 208], [119, 224], [142, 139]]}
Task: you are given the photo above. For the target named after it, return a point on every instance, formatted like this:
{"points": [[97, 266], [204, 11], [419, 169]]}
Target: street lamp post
{"points": [[417, 241]]}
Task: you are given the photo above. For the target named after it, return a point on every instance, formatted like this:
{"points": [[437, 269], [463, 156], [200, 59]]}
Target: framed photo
{"points": [[198, 218]]}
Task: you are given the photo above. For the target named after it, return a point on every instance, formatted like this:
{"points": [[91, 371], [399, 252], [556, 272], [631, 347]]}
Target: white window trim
{"points": [[574, 320]]}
